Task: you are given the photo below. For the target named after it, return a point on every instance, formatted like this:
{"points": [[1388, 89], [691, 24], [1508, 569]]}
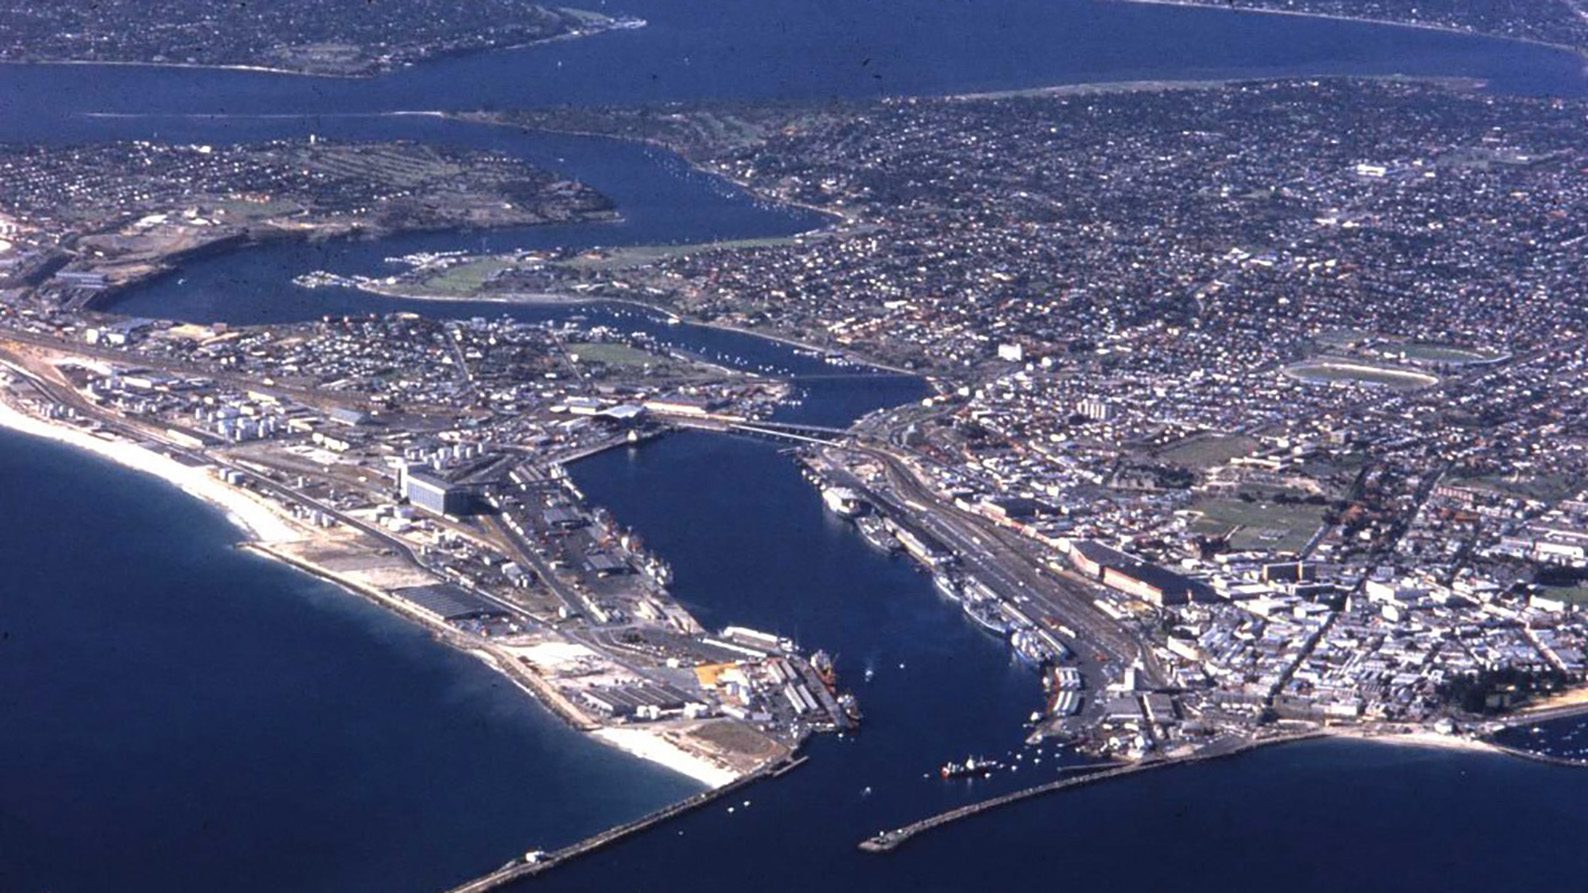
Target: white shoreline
{"points": [[264, 524], [652, 747], [259, 521]]}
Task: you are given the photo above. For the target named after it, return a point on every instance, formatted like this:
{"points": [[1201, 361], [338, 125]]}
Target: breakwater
{"points": [[886, 841], [534, 862]]}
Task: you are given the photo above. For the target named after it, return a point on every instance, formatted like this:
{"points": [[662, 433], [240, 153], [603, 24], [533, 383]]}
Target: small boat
{"points": [[970, 768], [946, 587]]}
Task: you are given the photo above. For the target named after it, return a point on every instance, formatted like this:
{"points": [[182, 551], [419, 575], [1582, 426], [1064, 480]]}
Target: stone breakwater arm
{"points": [[525, 866], [886, 841]]}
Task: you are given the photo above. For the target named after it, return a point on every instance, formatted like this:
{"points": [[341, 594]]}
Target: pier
{"points": [[534, 863]]}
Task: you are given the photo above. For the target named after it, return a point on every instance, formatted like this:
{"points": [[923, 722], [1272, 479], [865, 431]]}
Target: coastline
{"points": [[1425, 739], [265, 528], [1581, 52], [254, 236], [657, 749], [373, 72], [1420, 738], [252, 516], [1189, 84]]}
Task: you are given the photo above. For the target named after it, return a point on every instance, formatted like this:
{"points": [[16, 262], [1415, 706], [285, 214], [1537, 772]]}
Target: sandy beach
{"points": [[1422, 738], [265, 525], [649, 745], [261, 522]]}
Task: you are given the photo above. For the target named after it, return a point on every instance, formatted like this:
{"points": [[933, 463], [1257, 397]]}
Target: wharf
{"points": [[525, 866]]}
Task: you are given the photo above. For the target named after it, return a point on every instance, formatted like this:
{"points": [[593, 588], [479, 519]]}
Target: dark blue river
{"points": [[178, 715]]}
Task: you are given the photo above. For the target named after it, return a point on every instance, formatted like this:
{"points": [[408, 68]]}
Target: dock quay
{"points": [[886, 841], [788, 766], [533, 863]]}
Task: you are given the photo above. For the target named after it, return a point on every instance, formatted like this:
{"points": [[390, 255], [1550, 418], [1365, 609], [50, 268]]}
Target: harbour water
{"points": [[178, 715]]}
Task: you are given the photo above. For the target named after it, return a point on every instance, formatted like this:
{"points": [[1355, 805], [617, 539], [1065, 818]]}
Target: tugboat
{"points": [[850, 706], [971, 768], [1030, 648]]}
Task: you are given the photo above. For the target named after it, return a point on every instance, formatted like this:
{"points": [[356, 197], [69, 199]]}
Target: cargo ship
{"points": [[971, 768], [988, 617], [875, 532], [822, 663]]}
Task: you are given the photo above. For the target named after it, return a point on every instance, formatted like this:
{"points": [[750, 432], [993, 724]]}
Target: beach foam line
{"points": [[258, 520]]}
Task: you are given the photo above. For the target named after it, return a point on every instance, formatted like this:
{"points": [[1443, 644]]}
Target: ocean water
{"points": [[178, 715]]}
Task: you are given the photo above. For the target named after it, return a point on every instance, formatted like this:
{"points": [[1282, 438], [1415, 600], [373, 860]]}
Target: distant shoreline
{"points": [[376, 71], [1581, 52], [1152, 85]]}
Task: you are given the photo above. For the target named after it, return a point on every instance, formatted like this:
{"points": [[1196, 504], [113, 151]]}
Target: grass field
{"points": [[616, 355], [1441, 353], [1208, 450], [639, 255], [1576, 595], [1548, 488], [247, 212], [466, 278], [1323, 372], [1262, 524]]}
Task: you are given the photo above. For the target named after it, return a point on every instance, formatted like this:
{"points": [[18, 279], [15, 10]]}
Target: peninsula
{"points": [[76, 223], [316, 37]]}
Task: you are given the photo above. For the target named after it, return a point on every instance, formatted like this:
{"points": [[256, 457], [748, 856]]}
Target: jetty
{"points": [[536, 862]]}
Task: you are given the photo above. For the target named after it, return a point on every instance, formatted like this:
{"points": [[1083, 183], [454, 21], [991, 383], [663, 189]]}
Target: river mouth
{"points": [[747, 536], [794, 50]]}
